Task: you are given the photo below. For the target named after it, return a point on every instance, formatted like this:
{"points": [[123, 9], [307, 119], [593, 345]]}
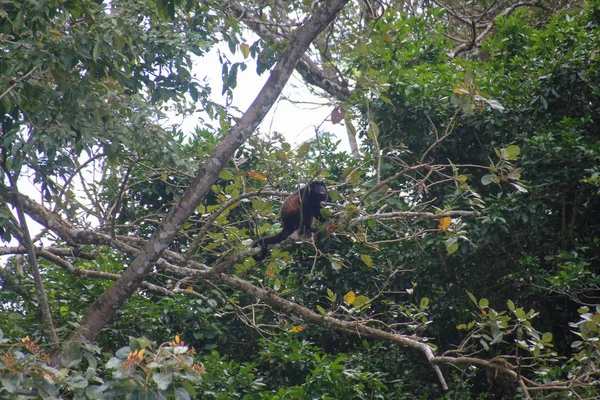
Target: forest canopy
{"points": [[456, 256]]}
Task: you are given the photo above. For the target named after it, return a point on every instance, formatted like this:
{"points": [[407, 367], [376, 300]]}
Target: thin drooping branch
{"points": [[392, 178], [449, 129], [110, 301], [407, 214], [26, 242], [115, 210], [17, 81]]}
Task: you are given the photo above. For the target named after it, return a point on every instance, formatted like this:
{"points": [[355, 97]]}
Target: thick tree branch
{"points": [[308, 69], [109, 302], [309, 316]]}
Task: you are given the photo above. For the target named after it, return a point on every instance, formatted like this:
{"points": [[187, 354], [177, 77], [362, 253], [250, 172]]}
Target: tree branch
{"points": [[110, 301]]}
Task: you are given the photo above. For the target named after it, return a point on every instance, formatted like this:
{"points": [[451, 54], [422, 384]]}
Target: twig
{"points": [[17, 81]]}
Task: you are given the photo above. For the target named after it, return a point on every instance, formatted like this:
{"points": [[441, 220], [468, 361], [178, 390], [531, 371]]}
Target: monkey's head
{"points": [[318, 190]]}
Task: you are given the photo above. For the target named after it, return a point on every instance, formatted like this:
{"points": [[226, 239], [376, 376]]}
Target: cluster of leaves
{"points": [[297, 368], [526, 112], [134, 371], [520, 144]]}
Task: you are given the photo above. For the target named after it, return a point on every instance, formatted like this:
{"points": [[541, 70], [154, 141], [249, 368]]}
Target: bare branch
{"points": [[17, 81], [25, 240], [404, 214]]}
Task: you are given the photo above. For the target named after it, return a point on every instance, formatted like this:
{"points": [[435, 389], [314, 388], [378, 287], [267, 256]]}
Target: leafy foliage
{"points": [[468, 225]]}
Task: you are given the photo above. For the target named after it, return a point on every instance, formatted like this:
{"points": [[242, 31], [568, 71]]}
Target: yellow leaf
{"points": [[189, 288], [54, 31], [298, 328], [270, 272], [256, 176], [367, 260], [350, 297], [444, 223], [245, 49]]}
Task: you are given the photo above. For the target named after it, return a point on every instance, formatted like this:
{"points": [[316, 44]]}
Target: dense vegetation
{"points": [[460, 258]]}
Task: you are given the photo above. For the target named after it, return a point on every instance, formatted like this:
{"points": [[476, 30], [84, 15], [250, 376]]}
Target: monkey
{"points": [[297, 211]]}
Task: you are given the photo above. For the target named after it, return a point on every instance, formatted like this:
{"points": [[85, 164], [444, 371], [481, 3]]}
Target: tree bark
{"points": [[110, 301]]}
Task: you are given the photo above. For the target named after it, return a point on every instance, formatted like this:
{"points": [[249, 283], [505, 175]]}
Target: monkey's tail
{"points": [[264, 241]]}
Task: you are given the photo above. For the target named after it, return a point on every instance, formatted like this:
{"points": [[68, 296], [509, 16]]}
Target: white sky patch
{"points": [[296, 113]]}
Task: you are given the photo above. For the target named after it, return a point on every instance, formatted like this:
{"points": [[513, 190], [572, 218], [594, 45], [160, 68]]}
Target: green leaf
{"points": [[162, 378], [334, 195], [496, 105], [452, 248], [469, 77], [226, 174], [484, 303], [77, 381], [336, 265], [373, 130], [10, 382], [385, 99], [519, 313], [134, 344], [473, 298], [190, 389], [360, 301], [303, 149], [511, 305], [71, 357], [361, 47], [350, 127], [519, 188], [330, 295], [96, 392], [181, 394], [487, 179], [511, 152], [326, 213], [97, 49], [484, 344], [321, 310]]}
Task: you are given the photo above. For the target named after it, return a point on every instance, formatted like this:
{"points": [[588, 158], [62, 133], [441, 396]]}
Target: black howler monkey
{"points": [[297, 211]]}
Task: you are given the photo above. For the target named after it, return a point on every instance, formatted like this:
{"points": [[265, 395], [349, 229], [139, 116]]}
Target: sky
{"points": [[296, 113]]}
